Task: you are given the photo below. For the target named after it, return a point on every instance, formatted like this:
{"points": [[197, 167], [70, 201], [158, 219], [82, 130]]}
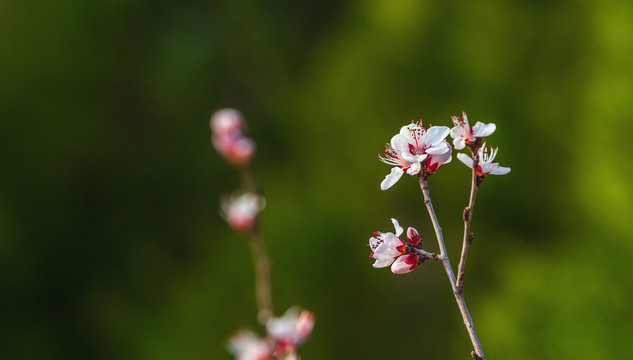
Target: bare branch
{"points": [[459, 295]]}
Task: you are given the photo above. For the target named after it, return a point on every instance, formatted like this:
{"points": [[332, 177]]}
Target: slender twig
{"points": [[261, 264], [426, 254], [459, 296], [468, 216], [424, 185]]}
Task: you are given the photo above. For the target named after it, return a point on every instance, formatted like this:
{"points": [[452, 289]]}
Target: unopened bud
{"points": [[226, 120], [413, 236], [242, 151], [405, 264]]}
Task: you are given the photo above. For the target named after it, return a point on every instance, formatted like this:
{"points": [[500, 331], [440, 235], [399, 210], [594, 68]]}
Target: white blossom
{"points": [[241, 211], [410, 147], [486, 166], [290, 331], [386, 247], [464, 134], [247, 346]]}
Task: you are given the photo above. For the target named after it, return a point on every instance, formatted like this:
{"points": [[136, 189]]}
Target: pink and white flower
{"points": [[485, 166], [413, 236], [389, 249], [228, 139], [290, 331], [386, 247], [405, 264], [247, 346], [464, 134], [433, 162], [241, 211], [410, 147]]}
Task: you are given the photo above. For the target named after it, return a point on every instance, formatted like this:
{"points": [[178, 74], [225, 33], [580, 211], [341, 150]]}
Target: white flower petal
{"points": [[392, 178], [439, 149], [467, 160], [373, 243], [383, 263], [399, 228], [407, 156], [414, 169], [436, 134], [450, 158], [500, 170], [480, 129], [398, 143], [459, 143]]}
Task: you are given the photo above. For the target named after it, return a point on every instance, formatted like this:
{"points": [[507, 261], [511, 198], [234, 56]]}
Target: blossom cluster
{"points": [[285, 335], [419, 151], [389, 249], [227, 135]]}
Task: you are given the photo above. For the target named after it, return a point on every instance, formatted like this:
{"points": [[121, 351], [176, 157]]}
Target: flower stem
{"points": [[468, 216], [261, 263], [261, 266], [459, 295]]}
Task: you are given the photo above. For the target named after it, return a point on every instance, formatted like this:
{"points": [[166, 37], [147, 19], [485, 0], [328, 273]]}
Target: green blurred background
{"points": [[111, 243]]}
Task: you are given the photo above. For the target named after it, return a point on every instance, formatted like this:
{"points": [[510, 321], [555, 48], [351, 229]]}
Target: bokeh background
{"points": [[111, 243]]}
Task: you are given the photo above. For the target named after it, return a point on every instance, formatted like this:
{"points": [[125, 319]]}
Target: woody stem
{"points": [[459, 296], [261, 263]]}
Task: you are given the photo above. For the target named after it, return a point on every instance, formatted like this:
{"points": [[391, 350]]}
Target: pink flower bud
{"points": [[228, 139], [404, 264], [413, 236], [241, 212], [226, 120], [242, 151]]}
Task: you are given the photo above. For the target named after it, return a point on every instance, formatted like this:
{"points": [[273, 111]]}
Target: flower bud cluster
{"points": [[227, 127], [285, 335], [388, 249], [418, 151]]}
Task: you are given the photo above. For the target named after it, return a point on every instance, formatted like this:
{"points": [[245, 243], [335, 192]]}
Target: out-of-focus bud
{"points": [[241, 211], [228, 139], [247, 346], [226, 120], [290, 330], [242, 151]]}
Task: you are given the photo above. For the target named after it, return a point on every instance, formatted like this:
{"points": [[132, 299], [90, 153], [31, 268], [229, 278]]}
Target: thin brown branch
{"points": [[468, 216], [261, 263], [261, 266], [459, 296]]}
